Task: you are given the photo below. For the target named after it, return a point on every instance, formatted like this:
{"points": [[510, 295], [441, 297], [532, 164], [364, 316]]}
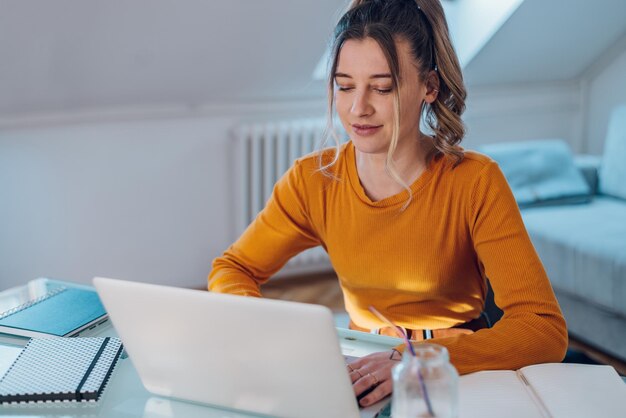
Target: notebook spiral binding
{"points": [[30, 303]]}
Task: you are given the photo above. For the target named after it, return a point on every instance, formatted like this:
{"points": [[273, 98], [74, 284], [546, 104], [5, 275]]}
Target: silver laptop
{"points": [[263, 356]]}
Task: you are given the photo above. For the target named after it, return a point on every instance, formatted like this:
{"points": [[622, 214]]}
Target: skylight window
{"points": [[474, 22]]}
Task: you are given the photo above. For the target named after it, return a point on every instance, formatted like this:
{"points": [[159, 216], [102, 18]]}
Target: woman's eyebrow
{"points": [[384, 75]]}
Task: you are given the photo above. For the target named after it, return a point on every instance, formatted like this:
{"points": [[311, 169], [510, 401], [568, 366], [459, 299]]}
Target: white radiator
{"points": [[264, 152]]}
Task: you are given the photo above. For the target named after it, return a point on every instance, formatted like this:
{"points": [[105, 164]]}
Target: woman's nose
{"points": [[361, 105]]}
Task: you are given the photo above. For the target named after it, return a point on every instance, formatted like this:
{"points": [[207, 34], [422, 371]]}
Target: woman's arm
{"points": [[532, 329], [280, 231]]}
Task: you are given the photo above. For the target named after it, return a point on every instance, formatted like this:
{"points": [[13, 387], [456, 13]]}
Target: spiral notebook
{"points": [[61, 369], [62, 311]]}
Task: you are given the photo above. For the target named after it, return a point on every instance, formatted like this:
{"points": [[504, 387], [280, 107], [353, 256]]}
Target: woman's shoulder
{"points": [[474, 161], [473, 167]]}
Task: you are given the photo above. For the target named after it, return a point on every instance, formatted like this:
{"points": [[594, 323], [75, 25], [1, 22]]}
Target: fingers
{"points": [[370, 388], [379, 392], [351, 367], [359, 367], [371, 377], [376, 381], [356, 364], [368, 381], [355, 370], [355, 375]]}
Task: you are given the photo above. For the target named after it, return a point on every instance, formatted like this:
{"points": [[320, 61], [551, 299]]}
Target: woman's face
{"points": [[364, 97]]}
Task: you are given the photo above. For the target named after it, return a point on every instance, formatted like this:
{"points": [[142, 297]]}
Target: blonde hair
{"points": [[423, 24]]}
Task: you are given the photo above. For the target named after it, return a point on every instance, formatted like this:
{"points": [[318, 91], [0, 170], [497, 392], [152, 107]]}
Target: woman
{"points": [[413, 224]]}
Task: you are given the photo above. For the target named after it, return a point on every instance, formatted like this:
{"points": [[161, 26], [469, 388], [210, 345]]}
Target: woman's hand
{"points": [[373, 372]]}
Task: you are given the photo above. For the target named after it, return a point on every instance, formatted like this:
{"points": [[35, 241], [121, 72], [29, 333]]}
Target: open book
{"points": [[551, 390]]}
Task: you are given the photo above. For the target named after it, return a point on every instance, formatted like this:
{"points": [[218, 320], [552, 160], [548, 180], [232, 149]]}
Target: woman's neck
{"points": [[410, 161]]}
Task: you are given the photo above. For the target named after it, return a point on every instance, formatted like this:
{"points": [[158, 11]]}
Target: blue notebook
{"points": [[62, 312]]}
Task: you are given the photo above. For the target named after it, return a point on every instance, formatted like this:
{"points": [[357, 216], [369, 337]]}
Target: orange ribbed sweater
{"points": [[424, 267]]}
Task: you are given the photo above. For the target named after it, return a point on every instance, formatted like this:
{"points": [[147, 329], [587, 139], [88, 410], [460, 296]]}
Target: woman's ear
{"points": [[432, 87]]}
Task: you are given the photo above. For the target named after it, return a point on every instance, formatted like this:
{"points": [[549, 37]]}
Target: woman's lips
{"points": [[366, 130]]}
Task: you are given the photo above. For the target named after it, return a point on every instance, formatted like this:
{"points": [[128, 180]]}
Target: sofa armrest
{"points": [[589, 166]]}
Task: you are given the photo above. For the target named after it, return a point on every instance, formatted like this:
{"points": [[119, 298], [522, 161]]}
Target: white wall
{"points": [[520, 112], [146, 200], [607, 88]]}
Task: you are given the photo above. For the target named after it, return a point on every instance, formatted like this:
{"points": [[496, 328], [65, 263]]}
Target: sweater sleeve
{"points": [[280, 231], [532, 329]]}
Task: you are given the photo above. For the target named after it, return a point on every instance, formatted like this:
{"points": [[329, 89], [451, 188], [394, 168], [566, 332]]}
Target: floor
{"points": [[323, 289]]}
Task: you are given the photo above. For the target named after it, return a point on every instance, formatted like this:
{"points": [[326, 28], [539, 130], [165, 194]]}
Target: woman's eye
{"points": [[377, 90]]}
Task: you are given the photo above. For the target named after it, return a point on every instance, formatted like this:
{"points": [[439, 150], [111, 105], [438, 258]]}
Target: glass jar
{"points": [[425, 385]]}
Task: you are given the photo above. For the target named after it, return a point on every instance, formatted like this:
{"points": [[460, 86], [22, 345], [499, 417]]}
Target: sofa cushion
{"points": [[583, 248], [540, 172], [613, 170], [589, 167]]}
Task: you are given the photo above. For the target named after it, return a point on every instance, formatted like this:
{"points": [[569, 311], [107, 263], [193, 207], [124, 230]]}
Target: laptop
{"points": [[268, 357]]}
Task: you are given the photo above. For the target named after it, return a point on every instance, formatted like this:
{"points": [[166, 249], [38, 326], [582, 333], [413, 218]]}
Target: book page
{"points": [[578, 390], [496, 393]]}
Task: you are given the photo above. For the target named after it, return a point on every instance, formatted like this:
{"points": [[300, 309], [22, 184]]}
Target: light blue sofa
{"points": [[580, 234]]}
